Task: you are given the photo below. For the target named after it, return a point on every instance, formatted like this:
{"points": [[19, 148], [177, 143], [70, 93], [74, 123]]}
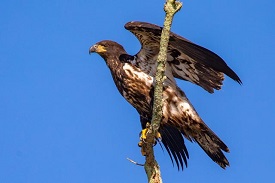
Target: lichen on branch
{"points": [[151, 166]]}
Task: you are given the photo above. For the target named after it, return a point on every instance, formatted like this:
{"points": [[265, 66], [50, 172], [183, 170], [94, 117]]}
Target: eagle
{"points": [[134, 75]]}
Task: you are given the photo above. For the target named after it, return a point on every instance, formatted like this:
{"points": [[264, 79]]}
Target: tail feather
{"points": [[179, 113], [173, 142], [194, 128], [213, 146]]}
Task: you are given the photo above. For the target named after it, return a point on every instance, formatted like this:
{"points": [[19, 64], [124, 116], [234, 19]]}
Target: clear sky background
{"points": [[62, 119]]}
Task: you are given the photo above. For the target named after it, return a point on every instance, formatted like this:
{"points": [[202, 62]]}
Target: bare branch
{"points": [[151, 166]]}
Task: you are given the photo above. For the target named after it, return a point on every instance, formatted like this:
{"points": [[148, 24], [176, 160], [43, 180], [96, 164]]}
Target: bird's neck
{"points": [[114, 65]]}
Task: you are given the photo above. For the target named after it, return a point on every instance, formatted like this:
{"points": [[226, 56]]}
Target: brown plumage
{"points": [[134, 75]]}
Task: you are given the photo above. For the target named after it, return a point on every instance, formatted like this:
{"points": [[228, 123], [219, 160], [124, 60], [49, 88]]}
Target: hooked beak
{"points": [[92, 49], [100, 49]]}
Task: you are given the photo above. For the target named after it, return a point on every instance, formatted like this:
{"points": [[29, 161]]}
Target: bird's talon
{"points": [[158, 135], [143, 135], [140, 143]]}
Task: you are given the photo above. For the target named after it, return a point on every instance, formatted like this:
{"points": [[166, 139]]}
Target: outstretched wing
{"points": [[187, 60]]}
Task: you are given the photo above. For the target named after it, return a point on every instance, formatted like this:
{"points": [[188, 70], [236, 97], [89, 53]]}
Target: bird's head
{"points": [[107, 49]]}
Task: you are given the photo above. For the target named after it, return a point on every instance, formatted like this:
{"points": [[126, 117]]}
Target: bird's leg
{"points": [[143, 135]]}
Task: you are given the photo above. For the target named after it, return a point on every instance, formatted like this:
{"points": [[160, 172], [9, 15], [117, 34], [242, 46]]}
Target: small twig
{"points": [[132, 161]]}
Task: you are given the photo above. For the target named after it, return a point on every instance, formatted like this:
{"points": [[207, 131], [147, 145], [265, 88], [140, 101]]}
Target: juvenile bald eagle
{"points": [[134, 78]]}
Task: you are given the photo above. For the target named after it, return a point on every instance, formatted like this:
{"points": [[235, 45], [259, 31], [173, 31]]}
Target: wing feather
{"points": [[187, 60]]}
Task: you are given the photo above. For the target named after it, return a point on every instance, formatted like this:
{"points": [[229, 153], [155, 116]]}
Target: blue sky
{"points": [[62, 119]]}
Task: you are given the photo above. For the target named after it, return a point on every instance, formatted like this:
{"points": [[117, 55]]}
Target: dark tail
{"points": [[213, 146]]}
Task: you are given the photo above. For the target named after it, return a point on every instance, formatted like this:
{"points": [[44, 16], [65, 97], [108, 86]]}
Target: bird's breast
{"points": [[136, 86]]}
